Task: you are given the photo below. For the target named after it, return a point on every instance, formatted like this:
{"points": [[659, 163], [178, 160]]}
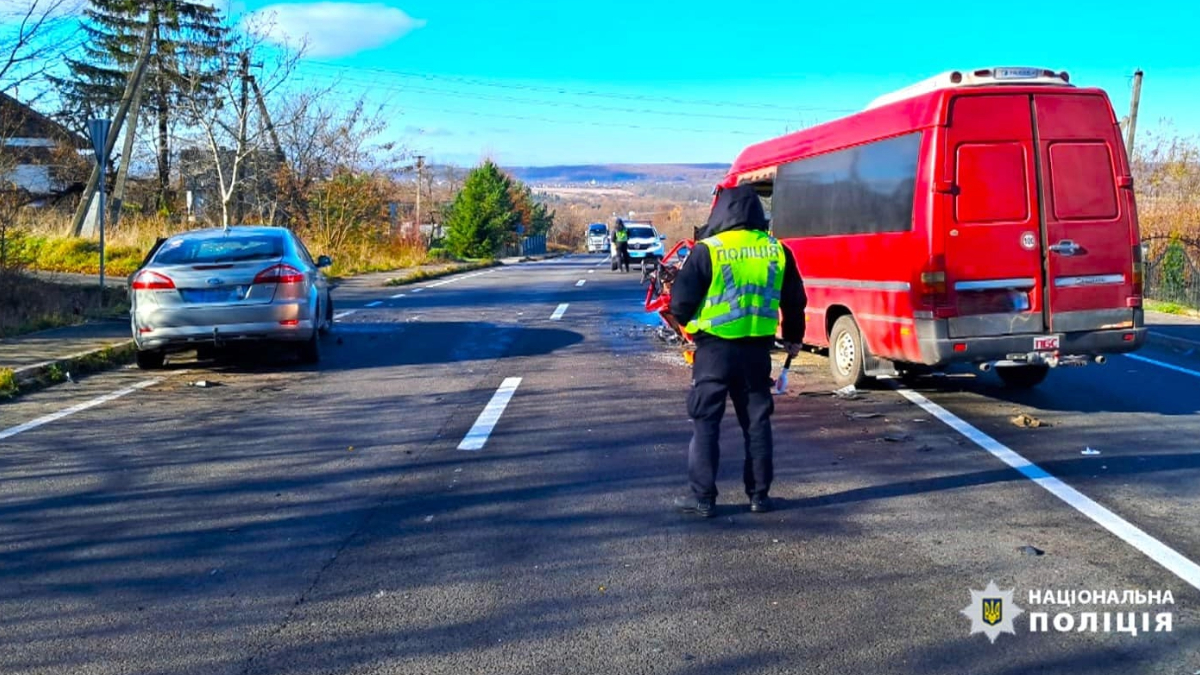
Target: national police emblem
{"points": [[992, 612]]}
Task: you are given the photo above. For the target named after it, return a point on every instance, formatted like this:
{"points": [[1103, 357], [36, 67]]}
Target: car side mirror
{"points": [[663, 237], [324, 261]]}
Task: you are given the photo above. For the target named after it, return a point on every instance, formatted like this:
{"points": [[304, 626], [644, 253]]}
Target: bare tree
{"points": [[32, 40], [227, 120]]}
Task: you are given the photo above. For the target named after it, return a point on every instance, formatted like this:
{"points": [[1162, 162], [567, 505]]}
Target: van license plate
{"points": [[1046, 344]]}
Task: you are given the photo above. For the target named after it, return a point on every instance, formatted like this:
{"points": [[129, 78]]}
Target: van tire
{"points": [[150, 359], [846, 353], [1022, 377]]}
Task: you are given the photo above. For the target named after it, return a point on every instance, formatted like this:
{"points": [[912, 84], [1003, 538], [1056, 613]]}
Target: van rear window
{"points": [[1082, 181], [992, 183]]}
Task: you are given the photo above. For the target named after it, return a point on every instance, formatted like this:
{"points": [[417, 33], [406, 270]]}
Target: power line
{"points": [[577, 92], [556, 104], [473, 113]]}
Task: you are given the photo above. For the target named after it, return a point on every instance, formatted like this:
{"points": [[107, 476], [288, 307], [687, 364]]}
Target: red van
{"points": [[981, 217]]}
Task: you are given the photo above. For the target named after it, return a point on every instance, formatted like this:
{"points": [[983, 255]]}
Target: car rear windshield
{"points": [[185, 251], [641, 232]]}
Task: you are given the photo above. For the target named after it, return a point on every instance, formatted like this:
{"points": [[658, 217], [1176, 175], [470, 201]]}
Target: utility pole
{"points": [[420, 177], [1133, 112], [131, 85], [239, 205], [118, 193]]}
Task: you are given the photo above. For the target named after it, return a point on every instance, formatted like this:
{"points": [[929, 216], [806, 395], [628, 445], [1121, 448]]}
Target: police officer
{"points": [[730, 293], [621, 242]]}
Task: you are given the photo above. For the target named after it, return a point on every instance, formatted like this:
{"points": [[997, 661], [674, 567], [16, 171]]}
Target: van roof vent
{"points": [[973, 78]]}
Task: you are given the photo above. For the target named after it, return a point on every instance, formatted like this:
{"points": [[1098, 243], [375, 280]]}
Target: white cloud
{"points": [[334, 28]]}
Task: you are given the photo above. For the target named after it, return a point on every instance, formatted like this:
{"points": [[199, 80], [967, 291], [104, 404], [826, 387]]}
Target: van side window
{"points": [[860, 190]]}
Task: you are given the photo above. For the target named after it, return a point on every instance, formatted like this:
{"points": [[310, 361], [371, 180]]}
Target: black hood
{"points": [[737, 208]]}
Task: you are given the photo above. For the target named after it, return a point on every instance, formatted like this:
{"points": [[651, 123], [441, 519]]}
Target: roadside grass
{"points": [[1171, 308], [8, 383], [59, 371], [430, 274], [29, 304]]}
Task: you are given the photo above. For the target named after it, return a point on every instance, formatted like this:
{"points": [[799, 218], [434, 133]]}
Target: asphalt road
{"points": [[324, 520]]}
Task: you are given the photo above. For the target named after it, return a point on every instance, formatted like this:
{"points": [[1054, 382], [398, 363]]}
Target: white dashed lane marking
{"points": [[478, 436], [558, 313]]}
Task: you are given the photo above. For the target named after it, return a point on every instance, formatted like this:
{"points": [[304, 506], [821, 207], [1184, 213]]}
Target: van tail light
{"points": [[931, 285], [1139, 269], [151, 281], [280, 274]]}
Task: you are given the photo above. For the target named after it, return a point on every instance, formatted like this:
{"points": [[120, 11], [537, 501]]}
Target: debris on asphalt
{"points": [[862, 416], [920, 420], [925, 448], [1030, 550], [897, 438], [204, 384], [429, 519], [350, 449], [1027, 421], [1089, 451], [848, 392]]}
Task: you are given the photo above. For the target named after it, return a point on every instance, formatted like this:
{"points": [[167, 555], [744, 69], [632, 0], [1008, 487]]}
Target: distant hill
{"points": [[617, 174]]}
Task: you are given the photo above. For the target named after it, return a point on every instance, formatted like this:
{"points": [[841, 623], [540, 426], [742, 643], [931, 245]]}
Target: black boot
{"points": [[705, 508]]}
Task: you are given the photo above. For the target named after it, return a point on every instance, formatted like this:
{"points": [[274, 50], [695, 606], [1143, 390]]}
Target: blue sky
{"points": [[559, 81]]}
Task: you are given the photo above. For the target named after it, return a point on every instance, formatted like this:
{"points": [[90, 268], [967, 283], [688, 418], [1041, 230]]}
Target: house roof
{"points": [[19, 120]]}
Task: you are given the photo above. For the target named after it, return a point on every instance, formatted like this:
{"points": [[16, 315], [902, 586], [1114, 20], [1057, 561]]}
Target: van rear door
{"points": [[1087, 205], [993, 257]]}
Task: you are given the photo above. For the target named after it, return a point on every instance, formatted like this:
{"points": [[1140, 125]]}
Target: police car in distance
{"points": [[645, 243]]}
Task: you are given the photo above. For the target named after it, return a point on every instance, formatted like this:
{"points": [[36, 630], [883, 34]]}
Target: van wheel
{"points": [[151, 359], [846, 353], [1023, 377]]}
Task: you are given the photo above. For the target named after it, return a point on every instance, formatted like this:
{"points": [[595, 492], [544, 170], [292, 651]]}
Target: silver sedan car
{"points": [[209, 288]]}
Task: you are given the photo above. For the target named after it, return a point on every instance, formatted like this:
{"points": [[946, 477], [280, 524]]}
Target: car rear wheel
{"points": [[310, 351], [150, 359], [1023, 377], [328, 323], [846, 353]]}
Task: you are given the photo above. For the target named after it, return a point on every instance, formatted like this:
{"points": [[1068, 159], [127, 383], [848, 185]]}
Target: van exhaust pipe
{"points": [[985, 367], [1101, 359]]}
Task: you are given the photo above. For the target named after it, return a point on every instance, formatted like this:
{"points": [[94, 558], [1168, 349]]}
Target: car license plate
{"points": [[213, 294], [1048, 343]]}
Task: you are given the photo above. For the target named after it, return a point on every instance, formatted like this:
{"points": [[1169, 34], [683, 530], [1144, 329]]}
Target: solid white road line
{"points": [[1160, 364], [342, 315], [1154, 549], [397, 296], [417, 290], [581, 282], [558, 313], [375, 304], [477, 437], [67, 412]]}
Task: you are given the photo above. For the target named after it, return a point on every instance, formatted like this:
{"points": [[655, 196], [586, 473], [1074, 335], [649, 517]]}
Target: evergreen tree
{"points": [[482, 215], [532, 213], [183, 31]]}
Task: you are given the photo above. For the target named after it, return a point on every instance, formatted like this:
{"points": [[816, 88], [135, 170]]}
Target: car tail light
{"points": [[1139, 269], [279, 274], [151, 281]]}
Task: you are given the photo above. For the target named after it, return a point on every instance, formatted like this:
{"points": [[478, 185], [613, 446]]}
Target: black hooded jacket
{"points": [[736, 208]]}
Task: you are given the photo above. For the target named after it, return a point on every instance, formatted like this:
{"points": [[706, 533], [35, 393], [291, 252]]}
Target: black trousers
{"points": [[623, 253], [740, 371]]}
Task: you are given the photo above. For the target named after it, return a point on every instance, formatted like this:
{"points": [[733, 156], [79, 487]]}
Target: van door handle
{"points": [[1065, 247]]}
